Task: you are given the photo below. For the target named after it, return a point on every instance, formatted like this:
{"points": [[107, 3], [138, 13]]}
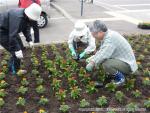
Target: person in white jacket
{"points": [[81, 35]]}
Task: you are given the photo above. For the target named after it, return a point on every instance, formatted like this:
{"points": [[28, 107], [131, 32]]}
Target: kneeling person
{"points": [[115, 54], [81, 37]]}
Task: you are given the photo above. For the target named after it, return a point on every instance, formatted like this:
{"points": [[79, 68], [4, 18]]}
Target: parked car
{"points": [[45, 4]]}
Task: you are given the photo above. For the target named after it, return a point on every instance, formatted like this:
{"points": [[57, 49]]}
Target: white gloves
{"points": [[31, 44], [19, 54]]}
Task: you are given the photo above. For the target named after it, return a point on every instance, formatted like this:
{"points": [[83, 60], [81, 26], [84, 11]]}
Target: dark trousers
{"points": [[14, 61], [111, 66]]}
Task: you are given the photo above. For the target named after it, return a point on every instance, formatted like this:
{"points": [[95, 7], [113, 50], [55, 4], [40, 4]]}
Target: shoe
{"points": [[119, 79]]}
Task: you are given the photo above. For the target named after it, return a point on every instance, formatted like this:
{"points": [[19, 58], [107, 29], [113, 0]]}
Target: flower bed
{"points": [[57, 83]]}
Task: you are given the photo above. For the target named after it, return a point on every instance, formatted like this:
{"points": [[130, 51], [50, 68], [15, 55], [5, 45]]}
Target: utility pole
{"points": [[82, 7]]}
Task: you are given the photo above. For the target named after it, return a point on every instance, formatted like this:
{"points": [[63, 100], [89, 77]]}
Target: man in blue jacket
{"points": [[11, 24]]}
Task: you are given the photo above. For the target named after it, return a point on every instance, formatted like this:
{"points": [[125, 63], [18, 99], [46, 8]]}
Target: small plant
{"points": [[144, 25], [63, 64], [24, 82], [3, 93], [131, 107], [2, 76], [146, 81], [141, 58], [21, 73], [35, 62], [4, 63], [43, 101], [5, 69], [111, 111], [35, 72], [56, 84], [82, 72], [147, 103], [74, 66], [119, 96], [39, 81], [130, 84], [40, 89], [111, 87], [2, 102], [147, 72], [90, 88], [72, 81], [75, 92], [139, 65], [64, 108], [136, 93], [42, 111], [61, 94], [86, 79], [3, 84], [84, 103], [101, 101], [21, 101], [22, 90], [67, 74]]}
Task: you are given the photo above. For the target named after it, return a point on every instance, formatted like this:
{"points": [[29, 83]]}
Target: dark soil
{"points": [[32, 97]]}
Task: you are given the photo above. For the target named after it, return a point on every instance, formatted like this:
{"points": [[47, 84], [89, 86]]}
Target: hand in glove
{"points": [[82, 55], [73, 53], [90, 66], [19, 54], [88, 60], [31, 44]]}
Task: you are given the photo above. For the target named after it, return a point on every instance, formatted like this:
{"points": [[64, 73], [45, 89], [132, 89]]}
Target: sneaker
{"points": [[119, 79]]}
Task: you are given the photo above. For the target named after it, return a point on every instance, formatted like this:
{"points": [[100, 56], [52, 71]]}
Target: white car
{"points": [[45, 4]]}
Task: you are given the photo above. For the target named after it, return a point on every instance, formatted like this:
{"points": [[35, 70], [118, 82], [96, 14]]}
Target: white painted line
{"points": [[133, 5], [112, 11], [122, 8], [138, 10], [125, 18], [102, 19], [108, 6], [65, 13], [57, 18]]}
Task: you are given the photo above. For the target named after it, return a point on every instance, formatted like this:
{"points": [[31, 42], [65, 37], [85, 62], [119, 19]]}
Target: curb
{"points": [[63, 12]]}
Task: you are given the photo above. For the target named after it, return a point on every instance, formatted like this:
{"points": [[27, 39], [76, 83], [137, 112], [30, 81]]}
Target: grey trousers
{"points": [[111, 66]]}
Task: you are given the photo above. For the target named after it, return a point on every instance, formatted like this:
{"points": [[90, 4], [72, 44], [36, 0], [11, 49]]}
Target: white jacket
{"points": [[87, 38]]}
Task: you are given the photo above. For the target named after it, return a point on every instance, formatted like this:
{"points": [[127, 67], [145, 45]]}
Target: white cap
{"points": [[80, 28], [33, 11]]}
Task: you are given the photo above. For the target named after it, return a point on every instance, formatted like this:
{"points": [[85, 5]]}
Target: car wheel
{"points": [[42, 22]]}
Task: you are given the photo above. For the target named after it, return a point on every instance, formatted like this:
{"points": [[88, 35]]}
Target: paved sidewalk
{"points": [[71, 9]]}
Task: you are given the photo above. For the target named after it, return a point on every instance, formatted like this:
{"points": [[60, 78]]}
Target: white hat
{"points": [[80, 28], [33, 11]]}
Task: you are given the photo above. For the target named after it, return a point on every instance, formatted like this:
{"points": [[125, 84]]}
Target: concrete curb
{"points": [[63, 12]]}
